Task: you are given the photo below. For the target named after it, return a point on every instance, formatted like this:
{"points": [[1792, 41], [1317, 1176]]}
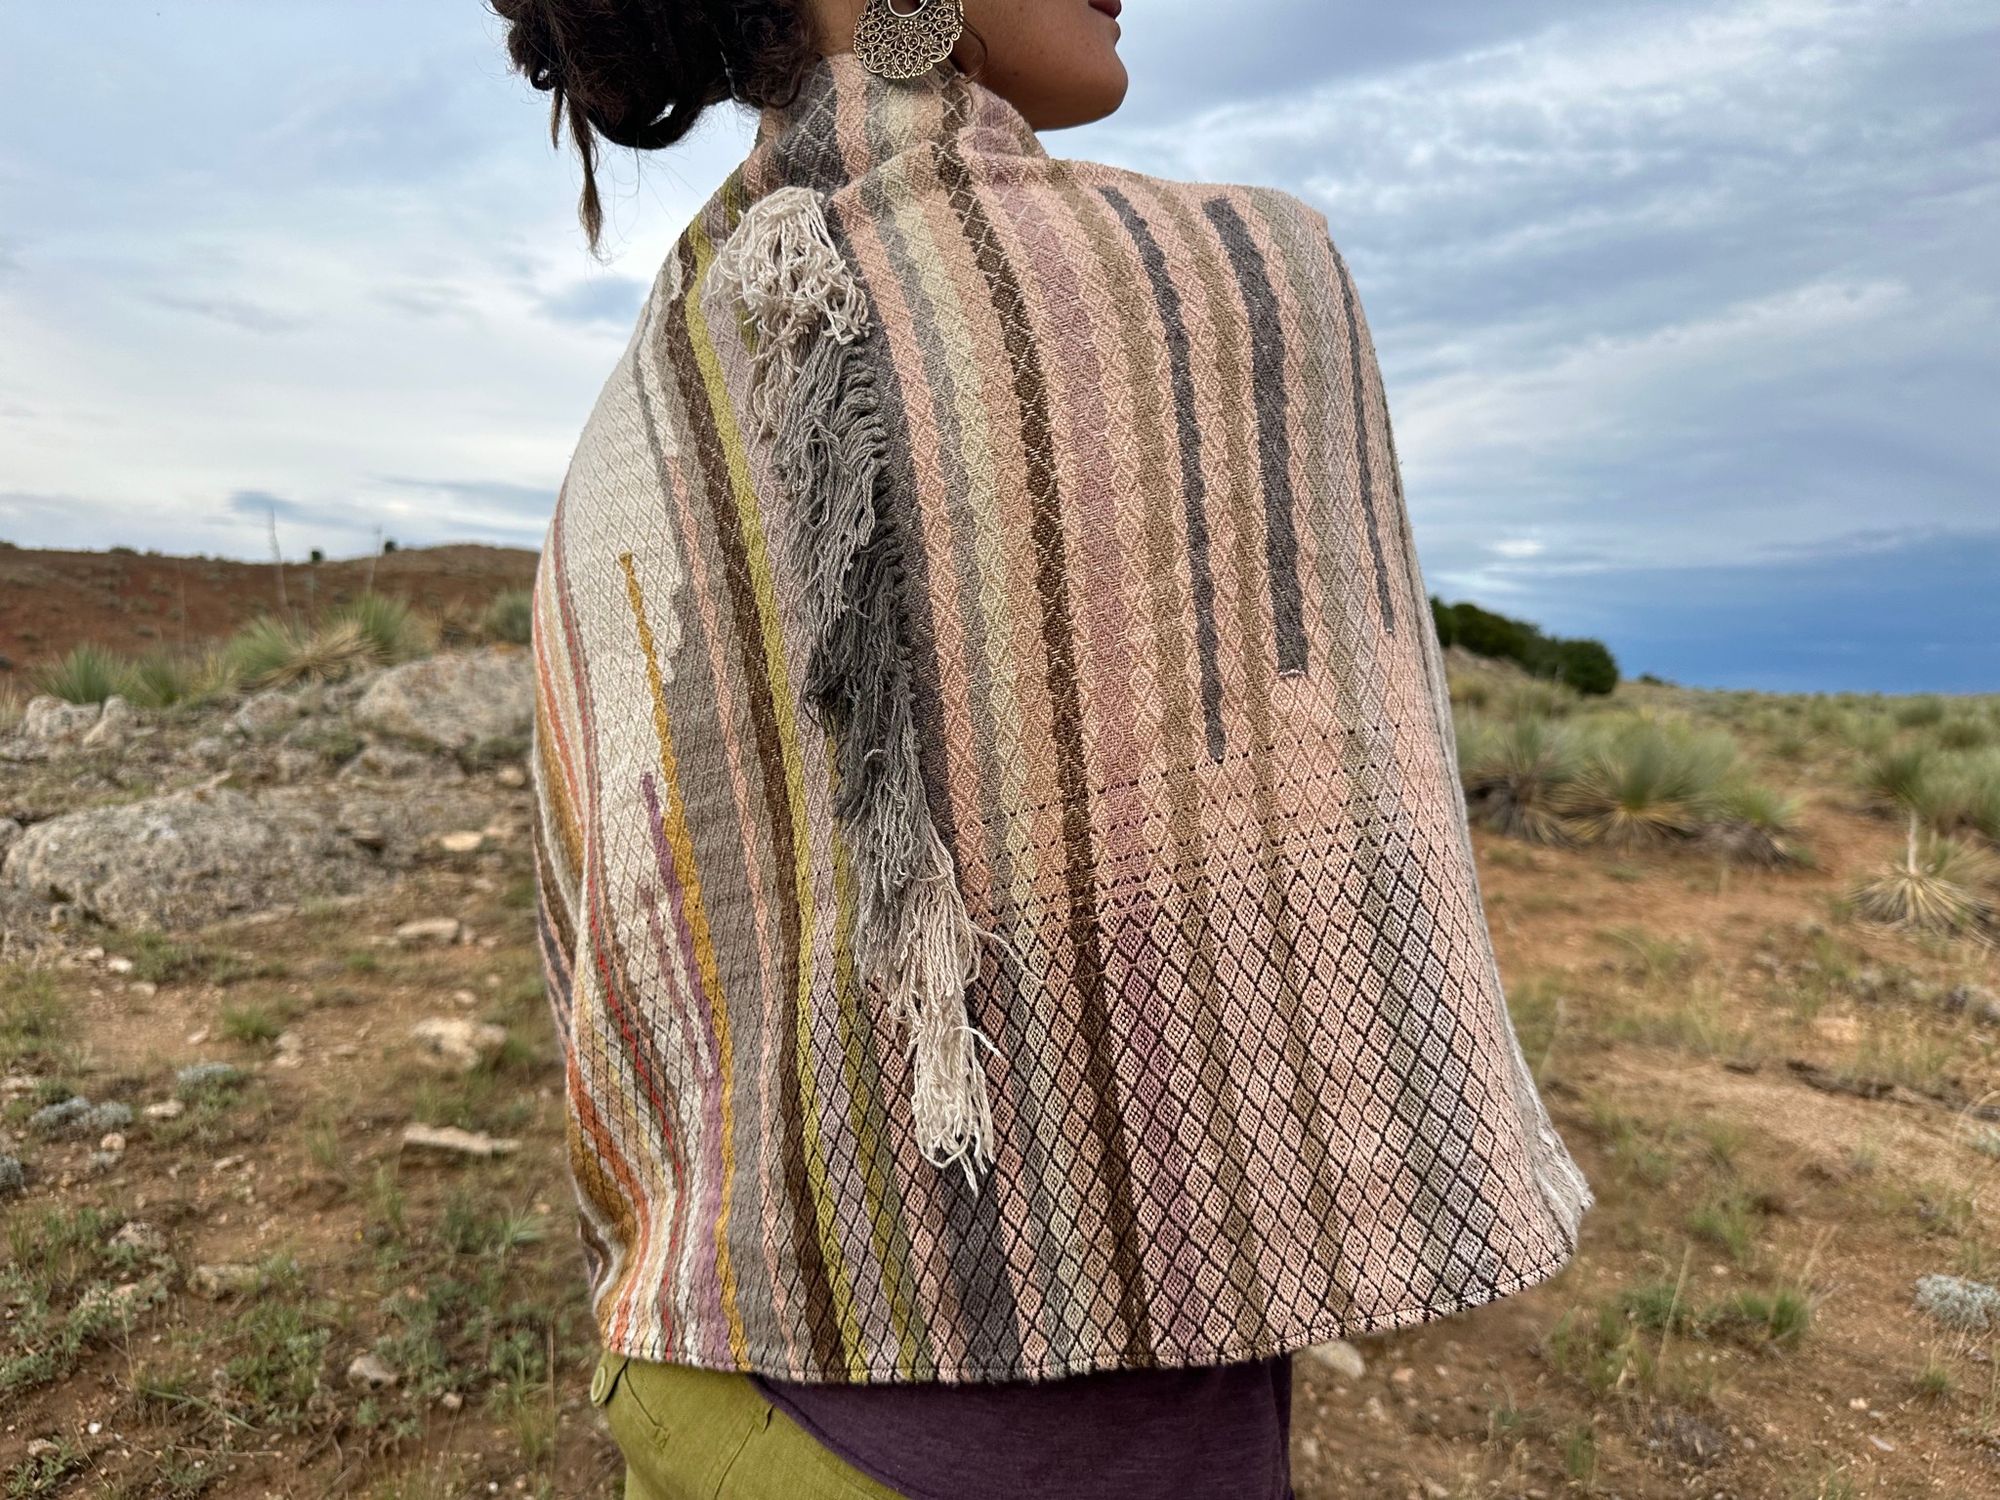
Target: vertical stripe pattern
{"points": [[1252, 1076]]}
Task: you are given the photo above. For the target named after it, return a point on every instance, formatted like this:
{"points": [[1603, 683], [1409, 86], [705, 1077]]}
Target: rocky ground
{"points": [[282, 1163]]}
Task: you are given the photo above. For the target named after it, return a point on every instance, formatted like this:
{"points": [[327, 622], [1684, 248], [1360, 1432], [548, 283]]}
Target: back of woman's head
{"points": [[639, 73]]}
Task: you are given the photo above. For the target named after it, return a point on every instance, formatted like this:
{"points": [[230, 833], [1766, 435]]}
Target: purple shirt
{"points": [[1216, 1433]]}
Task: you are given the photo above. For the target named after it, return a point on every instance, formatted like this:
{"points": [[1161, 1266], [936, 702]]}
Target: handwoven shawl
{"points": [[1005, 890]]}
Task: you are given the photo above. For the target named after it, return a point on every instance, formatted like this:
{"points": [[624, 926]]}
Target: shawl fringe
{"points": [[818, 405]]}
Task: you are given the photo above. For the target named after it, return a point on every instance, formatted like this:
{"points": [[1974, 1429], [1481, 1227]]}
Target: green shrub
{"points": [[509, 617], [391, 631], [88, 674], [1518, 774], [1645, 781]]}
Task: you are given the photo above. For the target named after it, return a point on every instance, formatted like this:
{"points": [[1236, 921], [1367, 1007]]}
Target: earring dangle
{"points": [[892, 43]]}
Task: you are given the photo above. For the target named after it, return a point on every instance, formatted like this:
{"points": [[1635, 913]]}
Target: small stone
{"points": [[114, 1143], [140, 1237], [370, 1372], [430, 930], [43, 1448], [145, 989], [1341, 1357], [165, 1109], [458, 1044], [224, 1279], [1309, 1449], [118, 964], [1403, 1376], [461, 841], [450, 1140], [1374, 1410], [511, 775], [451, 1401]]}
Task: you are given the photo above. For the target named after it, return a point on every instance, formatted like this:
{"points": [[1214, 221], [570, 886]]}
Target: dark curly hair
{"points": [[639, 73]]}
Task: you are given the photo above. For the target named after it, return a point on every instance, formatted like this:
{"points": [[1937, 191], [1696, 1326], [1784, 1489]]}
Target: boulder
{"points": [[183, 859], [453, 700], [51, 721], [114, 725], [266, 713]]}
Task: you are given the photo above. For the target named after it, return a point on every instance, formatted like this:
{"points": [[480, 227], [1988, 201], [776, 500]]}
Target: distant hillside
{"points": [[129, 601]]}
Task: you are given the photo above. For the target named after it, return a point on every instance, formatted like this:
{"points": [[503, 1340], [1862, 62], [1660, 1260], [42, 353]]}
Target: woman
{"points": [[1006, 896]]}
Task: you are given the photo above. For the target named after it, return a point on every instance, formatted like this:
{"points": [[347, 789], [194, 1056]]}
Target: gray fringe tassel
{"points": [[819, 407]]}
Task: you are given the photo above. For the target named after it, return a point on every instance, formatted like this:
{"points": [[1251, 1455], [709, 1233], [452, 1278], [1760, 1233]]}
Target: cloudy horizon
{"points": [[1686, 319]]}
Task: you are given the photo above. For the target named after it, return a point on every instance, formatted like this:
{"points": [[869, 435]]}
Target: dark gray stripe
{"points": [[971, 1229], [1267, 378], [1195, 487], [1361, 445]]}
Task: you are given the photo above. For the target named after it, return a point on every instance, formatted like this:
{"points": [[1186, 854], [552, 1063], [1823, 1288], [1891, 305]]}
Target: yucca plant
{"points": [[508, 617], [1645, 782], [88, 674], [1903, 777], [1937, 888], [1977, 792], [388, 628], [270, 652], [1967, 730], [1755, 824], [1517, 775], [161, 679], [1534, 699]]}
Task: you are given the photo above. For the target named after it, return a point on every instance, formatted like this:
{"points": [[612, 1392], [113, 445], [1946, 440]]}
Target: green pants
{"points": [[691, 1434]]}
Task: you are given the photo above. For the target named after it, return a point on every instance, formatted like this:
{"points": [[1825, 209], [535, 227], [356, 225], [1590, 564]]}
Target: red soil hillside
{"points": [[130, 602]]}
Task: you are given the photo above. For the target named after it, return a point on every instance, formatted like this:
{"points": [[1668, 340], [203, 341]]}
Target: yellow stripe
{"points": [[875, 1185], [675, 820], [762, 587]]}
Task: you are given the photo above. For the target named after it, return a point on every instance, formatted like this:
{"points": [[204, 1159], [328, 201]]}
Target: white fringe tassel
{"points": [[913, 937]]}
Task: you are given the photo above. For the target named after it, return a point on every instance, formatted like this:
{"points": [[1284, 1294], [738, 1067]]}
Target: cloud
{"points": [[612, 300], [236, 312], [1661, 293]]}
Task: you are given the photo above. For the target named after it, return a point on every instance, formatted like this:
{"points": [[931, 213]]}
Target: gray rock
{"points": [[375, 762], [1340, 1357], [371, 1372], [114, 725], [430, 930], [13, 1177], [223, 1280], [457, 1044], [183, 859], [449, 1140], [140, 1238], [47, 722], [1969, 1306], [267, 712], [454, 700]]}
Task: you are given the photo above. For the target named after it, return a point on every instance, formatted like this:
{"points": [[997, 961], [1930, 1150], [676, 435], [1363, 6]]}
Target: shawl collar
{"points": [[845, 122]]}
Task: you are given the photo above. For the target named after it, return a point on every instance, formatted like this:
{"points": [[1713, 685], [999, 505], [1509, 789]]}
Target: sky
{"points": [[1687, 312]]}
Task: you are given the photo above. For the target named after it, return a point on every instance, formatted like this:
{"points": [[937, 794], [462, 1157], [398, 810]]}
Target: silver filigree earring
{"points": [[892, 43]]}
